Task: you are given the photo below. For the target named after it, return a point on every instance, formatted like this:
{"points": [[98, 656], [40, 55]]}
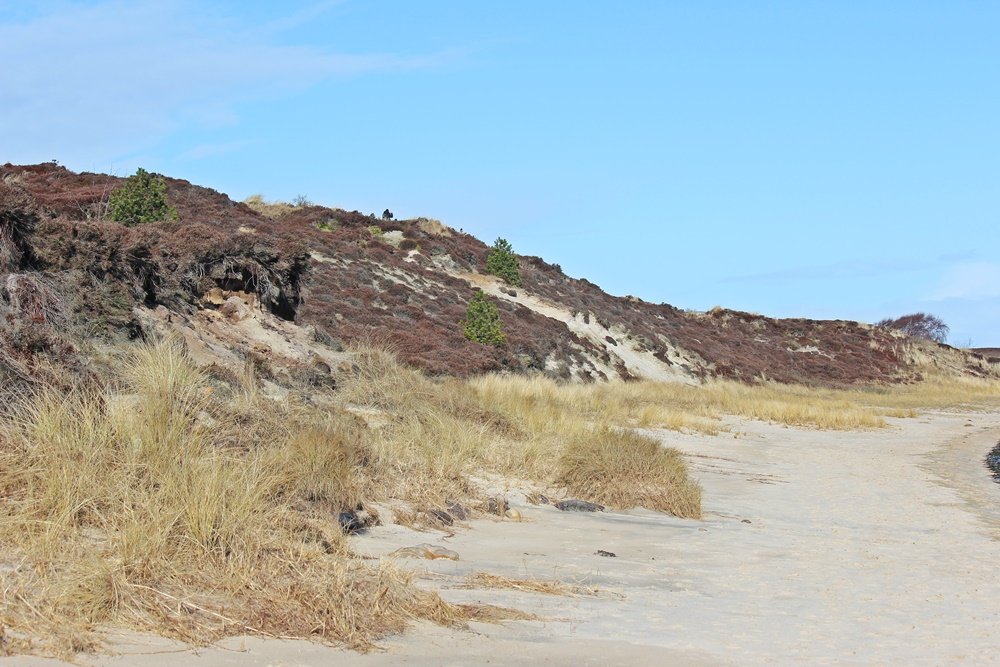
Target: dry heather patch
{"points": [[137, 509]]}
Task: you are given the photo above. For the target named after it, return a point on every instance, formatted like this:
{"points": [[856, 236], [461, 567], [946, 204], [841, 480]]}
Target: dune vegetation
{"points": [[172, 505], [174, 501]]}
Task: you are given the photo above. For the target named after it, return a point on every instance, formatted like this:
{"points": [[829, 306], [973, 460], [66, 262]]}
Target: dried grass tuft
{"points": [[269, 209], [625, 469], [547, 586]]}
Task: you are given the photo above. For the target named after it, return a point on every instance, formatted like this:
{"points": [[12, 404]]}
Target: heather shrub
{"points": [[482, 322], [142, 199], [502, 263]]}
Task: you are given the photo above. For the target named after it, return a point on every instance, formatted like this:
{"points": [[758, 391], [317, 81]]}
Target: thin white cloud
{"points": [[970, 281], [103, 80]]}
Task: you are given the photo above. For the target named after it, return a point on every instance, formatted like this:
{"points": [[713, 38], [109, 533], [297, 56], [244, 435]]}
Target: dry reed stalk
{"points": [[547, 586]]}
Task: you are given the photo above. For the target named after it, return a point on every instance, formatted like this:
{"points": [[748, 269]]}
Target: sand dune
{"points": [[817, 547]]}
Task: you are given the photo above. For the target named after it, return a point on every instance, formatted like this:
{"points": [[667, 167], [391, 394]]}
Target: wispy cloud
{"points": [[971, 281], [108, 78]]}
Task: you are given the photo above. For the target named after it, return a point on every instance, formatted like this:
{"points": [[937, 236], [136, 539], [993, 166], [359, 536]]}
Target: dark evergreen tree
{"points": [[482, 322], [142, 199], [502, 263]]}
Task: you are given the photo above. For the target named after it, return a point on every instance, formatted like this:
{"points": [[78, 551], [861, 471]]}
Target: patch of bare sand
{"points": [[875, 547], [616, 341]]}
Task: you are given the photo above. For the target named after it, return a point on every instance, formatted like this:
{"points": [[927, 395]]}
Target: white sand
{"points": [[876, 547]]}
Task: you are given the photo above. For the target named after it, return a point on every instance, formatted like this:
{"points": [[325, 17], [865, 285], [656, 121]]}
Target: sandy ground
{"points": [[868, 548]]}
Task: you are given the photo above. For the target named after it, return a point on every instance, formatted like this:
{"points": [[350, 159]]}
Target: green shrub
{"points": [[482, 322], [502, 263], [142, 198]]}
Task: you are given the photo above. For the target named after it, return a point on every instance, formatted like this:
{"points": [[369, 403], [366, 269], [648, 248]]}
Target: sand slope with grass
{"points": [[815, 547], [872, 547]]}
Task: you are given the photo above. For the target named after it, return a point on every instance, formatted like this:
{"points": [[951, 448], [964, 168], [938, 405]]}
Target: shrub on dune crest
{"points": [[502, 263], [141, 199], [918, 325]]}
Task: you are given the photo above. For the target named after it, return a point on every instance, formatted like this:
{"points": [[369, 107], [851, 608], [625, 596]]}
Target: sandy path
{"points": [[861, 548]]}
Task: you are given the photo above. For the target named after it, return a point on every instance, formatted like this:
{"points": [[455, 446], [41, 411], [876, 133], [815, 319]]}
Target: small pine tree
{"points": [[482, 322], [143, 198], [502, 263]]}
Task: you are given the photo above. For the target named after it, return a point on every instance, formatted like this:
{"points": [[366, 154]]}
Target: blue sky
{"points": [[832, 160]]}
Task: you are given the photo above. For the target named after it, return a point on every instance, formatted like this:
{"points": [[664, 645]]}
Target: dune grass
{"points": [[539, 401], [269, 209], [575, 438], [935, 391], [135, 508], [622, 468], [175, 503], [532, 429]]}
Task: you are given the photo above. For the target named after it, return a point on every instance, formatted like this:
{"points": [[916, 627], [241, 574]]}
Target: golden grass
{"points": [[538, 401], [935, 391], [574, 435], [180, 505], [137, 509], [433, 227], [791, 405], [269, 209], [441, 432], [570, 436], [323, 460], [624, 469]]}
